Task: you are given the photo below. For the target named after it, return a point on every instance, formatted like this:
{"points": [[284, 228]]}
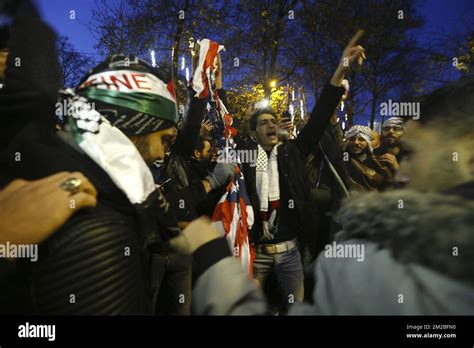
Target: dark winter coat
{"points": [[100, 255], [292, 168], [97, 262]]}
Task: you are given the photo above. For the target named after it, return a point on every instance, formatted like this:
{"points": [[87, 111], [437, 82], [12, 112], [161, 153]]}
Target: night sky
{"points": [[440, 16]]}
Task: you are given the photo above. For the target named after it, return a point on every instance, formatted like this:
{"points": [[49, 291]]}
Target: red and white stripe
{"points": [[207, 53], [234, 217]]}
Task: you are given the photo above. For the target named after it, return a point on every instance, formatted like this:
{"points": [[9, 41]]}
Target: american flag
{"points": [[205, 68], [234, 217]]}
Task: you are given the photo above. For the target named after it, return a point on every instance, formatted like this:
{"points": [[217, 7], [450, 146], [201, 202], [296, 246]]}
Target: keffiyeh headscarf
{"points": [[122, 96], [362, 131], [394, 122]]}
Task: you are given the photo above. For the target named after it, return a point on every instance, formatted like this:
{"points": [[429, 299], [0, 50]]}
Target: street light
{"points": [[273, 83], [153, 61], [262, 104]]}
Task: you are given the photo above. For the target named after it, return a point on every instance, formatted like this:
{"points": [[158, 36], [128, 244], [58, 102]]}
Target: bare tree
{"points": [[289, 41], [395, 63], [74, 65], [138, 26]]}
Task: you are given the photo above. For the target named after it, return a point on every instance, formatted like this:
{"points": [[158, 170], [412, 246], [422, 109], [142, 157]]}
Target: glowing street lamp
{"points": [[273, 83], [262, 104]]}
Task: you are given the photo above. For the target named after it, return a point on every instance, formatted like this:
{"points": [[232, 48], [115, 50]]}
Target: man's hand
{"points": [[286, 128], [183, 224], [206, 128], [197, 233], [351, 54], [287, 125], [30, 211], [249, 112], [221, 174], [390, 159]]}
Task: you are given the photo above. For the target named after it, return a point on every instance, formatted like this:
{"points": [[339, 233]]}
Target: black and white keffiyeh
{"points": [[361, 131], [394, 122], [108, 147], [268, 187]]}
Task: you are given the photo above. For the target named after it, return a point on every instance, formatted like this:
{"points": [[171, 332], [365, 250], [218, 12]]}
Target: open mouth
{"points": [[272, 133]]}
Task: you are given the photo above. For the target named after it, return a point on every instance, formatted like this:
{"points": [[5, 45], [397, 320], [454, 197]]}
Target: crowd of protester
{"points": [[120, 196]]}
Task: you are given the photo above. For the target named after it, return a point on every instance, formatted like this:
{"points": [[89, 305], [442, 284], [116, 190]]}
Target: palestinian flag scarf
{"points": [[136, 102]]}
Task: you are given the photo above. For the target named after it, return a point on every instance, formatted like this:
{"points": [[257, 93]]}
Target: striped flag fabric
{"points": [[205, 67], [234, 217]]}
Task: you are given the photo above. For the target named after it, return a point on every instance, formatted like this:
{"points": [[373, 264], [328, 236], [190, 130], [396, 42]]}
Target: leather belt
{"points": [[276, 248]]}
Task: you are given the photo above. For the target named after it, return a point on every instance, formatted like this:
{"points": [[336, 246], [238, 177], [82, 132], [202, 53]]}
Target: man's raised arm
{"points": [[330, 97]]}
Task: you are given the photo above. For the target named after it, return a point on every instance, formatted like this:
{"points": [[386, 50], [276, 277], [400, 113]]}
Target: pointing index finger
{"points": [[355, 38]]}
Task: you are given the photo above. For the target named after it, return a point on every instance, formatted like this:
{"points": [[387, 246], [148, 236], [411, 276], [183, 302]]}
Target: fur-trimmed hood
{"points": [[435, 230]]}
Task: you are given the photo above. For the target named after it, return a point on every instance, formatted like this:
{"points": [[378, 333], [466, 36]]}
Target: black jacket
{"points": [[183, 188], [97, 263], [292, 168], [100, 255]]}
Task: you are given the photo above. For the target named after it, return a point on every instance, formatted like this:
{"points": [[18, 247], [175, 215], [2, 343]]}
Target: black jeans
{"points": [[171, 282]]}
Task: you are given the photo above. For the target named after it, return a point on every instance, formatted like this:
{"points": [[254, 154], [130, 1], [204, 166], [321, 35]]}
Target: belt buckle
{"points": [[280, 247], [268, 249], [277, 248], [271, 249]]}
